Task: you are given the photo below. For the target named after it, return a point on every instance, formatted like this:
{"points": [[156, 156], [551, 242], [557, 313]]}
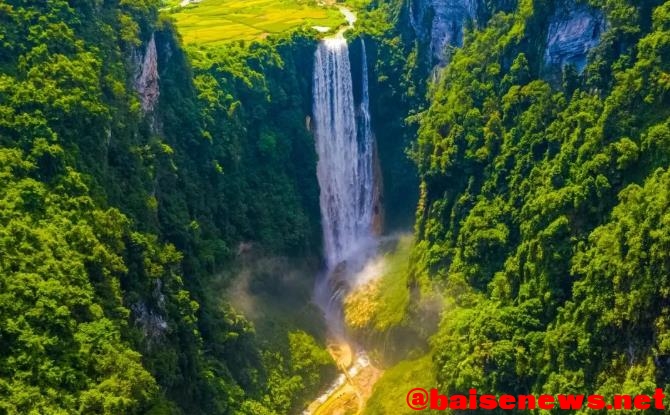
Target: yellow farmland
{"points": [[215, 21]]}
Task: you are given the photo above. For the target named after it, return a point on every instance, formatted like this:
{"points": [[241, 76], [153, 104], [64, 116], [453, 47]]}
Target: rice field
{"points": [[209, 22]]}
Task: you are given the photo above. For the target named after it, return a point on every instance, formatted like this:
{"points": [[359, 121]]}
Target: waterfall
{"points": [[345, 172], [348, 195], [344, 168], [366, 142], [412, 19]]}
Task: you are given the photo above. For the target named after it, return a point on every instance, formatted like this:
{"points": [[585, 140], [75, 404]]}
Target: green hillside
{"points": [[160, 210]]}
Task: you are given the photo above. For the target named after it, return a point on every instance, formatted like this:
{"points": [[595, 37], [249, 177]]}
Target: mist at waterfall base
{"points": [[344, 145]]}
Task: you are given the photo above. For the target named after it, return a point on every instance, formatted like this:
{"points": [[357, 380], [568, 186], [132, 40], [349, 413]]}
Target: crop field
{"points": [[214, 21]]}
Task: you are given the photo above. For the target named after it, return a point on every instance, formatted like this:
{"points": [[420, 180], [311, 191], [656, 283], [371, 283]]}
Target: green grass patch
{"points": [[212, 22], [382, 304], [388, 395]]}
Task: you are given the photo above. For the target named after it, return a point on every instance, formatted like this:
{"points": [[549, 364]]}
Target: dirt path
{"points": [[348, 394]]}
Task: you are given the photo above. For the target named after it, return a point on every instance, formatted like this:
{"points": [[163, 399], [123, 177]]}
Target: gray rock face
{"points": [[441, 22], [574, 30], [151, 320], [146, 77], [152, 324]]}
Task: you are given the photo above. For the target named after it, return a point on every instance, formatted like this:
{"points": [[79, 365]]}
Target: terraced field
{"points": [[215, 21]]}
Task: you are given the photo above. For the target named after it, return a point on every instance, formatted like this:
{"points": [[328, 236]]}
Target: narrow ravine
{"points": [[345, 170]]}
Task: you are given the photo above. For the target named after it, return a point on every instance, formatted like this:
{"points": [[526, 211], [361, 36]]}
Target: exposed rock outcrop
{"points": [[151, 320], [146, 77], [441, 23], [574, 29]]}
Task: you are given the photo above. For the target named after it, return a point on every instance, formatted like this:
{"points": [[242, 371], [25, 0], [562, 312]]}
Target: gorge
{"points": [[215, 208]]}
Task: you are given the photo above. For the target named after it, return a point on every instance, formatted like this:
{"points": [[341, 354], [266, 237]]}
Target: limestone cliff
{"points": [[574, 29], [440, 23], [146, 76]]}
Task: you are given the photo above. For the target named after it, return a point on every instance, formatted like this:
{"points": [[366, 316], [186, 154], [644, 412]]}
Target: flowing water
{"points": [[345, 174], [344, 168], [367, 142], [345, 171]]}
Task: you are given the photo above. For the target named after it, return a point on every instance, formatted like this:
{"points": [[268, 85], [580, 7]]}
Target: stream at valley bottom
{"points": [[352, 388], [349, 392]]}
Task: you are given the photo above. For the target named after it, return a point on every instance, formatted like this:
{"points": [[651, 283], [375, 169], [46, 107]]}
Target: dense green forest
{"points": [[544, 207], [120, 211], [139, 176], [542, 219]]}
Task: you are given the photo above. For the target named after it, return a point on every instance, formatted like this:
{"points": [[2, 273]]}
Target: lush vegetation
{"points": [[115, 218], [390, 392], [543, 212], [382, 303], [381, 314], [399, 68], [544, 208]]}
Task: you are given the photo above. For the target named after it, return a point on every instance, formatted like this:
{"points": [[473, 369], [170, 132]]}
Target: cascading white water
{"points": [[344, 168], [345, 147], [366, 139], [345, 173]]}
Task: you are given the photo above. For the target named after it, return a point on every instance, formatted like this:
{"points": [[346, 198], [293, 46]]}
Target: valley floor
{"points": [[352, 389]]}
